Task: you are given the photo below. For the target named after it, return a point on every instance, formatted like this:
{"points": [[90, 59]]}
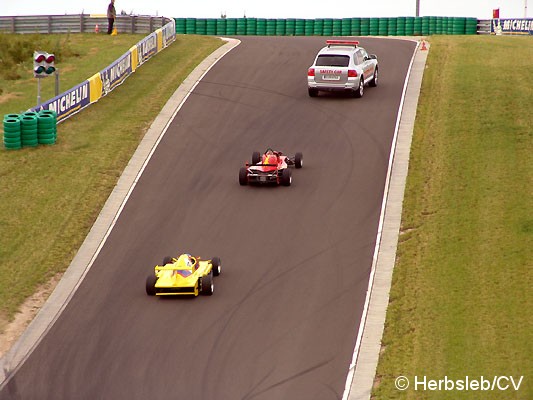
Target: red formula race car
{"points": [[271, 167]]}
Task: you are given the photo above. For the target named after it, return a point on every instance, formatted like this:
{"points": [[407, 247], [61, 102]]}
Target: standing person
{"points": [[111, 14]]}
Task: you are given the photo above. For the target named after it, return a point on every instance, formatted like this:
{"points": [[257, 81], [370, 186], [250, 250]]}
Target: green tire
{"points": [[12, 141], [47, 141]]}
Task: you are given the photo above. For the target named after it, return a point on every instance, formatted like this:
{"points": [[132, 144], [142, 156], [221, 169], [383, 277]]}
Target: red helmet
{"points": [[270, 159]]}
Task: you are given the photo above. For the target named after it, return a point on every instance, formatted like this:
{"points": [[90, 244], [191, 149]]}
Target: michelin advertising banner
{"points": [[69, 102], [100, 84], [505, 26]]}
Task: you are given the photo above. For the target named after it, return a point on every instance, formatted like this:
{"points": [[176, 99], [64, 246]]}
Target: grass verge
{"points": [[461, 297], [51, 195]]}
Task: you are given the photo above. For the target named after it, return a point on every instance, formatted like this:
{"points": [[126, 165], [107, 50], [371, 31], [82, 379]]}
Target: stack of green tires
{"points": [[391, 27], [190, 26], [374, 27], [346, 26], [251, 26], [271, 27], [459, 25], [409, 26], [261, 26], [356, 26], [365, 27], [318, 27], [309, 27], [12, 132], [471, 26], [400, 26], [337, 27], [47, 127], [438, 29], [299, 27], [280, 27], [327, 27], [211, 26], [180, 25], [201, 26], [383, 26], [444, 25], [417, 26], [241, 26], [432, 25], [221, 26], [290, 27], [29, 129], [231, 26], [425, 26]]}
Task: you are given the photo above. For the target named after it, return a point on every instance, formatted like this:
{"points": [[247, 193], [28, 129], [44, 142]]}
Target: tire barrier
{"points": [[397, 26], [309, 27], [374, 27], [231, 26], [47, 127], [221, 26], [270, 27], [356, 26], [337, 27], [240, 26], [299, 27], [346, 27], [12, 132], [261, 26], [280, 27], [365, 26], [251, 26], [290, 27], [30, 129], [211, 26]]}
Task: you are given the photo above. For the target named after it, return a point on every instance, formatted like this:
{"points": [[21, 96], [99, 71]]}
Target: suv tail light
{"points": [[311, 72], [352, 73]]}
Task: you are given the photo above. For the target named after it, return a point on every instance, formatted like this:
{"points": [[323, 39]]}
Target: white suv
{"points": [[342, 66]]}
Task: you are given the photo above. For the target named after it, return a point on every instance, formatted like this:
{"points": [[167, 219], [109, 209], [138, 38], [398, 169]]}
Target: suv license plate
{"points": [[332, 77]]}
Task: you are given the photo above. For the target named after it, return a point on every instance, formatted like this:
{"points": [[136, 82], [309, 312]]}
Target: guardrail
{"points": [[79, 23]]}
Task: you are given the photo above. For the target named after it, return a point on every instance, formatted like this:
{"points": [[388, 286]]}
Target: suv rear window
{"points": [[327, 60]]}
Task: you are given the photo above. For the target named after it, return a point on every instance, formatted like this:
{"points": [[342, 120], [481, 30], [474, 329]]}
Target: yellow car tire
{"points": [[217, 266], [208, 286], [150, 285]]}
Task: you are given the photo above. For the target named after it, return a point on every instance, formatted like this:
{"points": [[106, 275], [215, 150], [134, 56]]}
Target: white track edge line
{"points": [[353, 364]]}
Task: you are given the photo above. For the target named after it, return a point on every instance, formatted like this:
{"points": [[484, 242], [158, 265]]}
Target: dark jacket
{"points": [[111, 12]]}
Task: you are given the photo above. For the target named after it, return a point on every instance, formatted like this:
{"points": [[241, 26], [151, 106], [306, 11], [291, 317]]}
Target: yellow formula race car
{"points": [[184, 275]]}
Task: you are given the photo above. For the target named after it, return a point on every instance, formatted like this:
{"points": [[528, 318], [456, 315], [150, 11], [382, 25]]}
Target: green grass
{"points": [[51, 195], [461, 300]]}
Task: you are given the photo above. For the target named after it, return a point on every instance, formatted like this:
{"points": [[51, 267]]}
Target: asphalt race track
{"points": [[283, 320]]}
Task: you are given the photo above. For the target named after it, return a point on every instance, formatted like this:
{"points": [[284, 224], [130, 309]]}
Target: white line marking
{"points": [[351, 369]]}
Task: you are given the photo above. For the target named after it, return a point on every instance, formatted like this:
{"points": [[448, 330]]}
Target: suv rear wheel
{"points": [[312, 92], [361, 89], [374, 81]]}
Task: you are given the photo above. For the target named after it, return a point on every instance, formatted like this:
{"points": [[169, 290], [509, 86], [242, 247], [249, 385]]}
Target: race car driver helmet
{"points": [[185, 261], [270, 159]]}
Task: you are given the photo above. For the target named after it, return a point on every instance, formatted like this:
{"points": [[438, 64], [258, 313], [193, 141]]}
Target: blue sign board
{"points": [[512, 26]]}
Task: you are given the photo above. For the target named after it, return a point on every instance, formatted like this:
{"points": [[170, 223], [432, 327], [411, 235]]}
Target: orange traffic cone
{"points": [[423, 45], [96, 29]]}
